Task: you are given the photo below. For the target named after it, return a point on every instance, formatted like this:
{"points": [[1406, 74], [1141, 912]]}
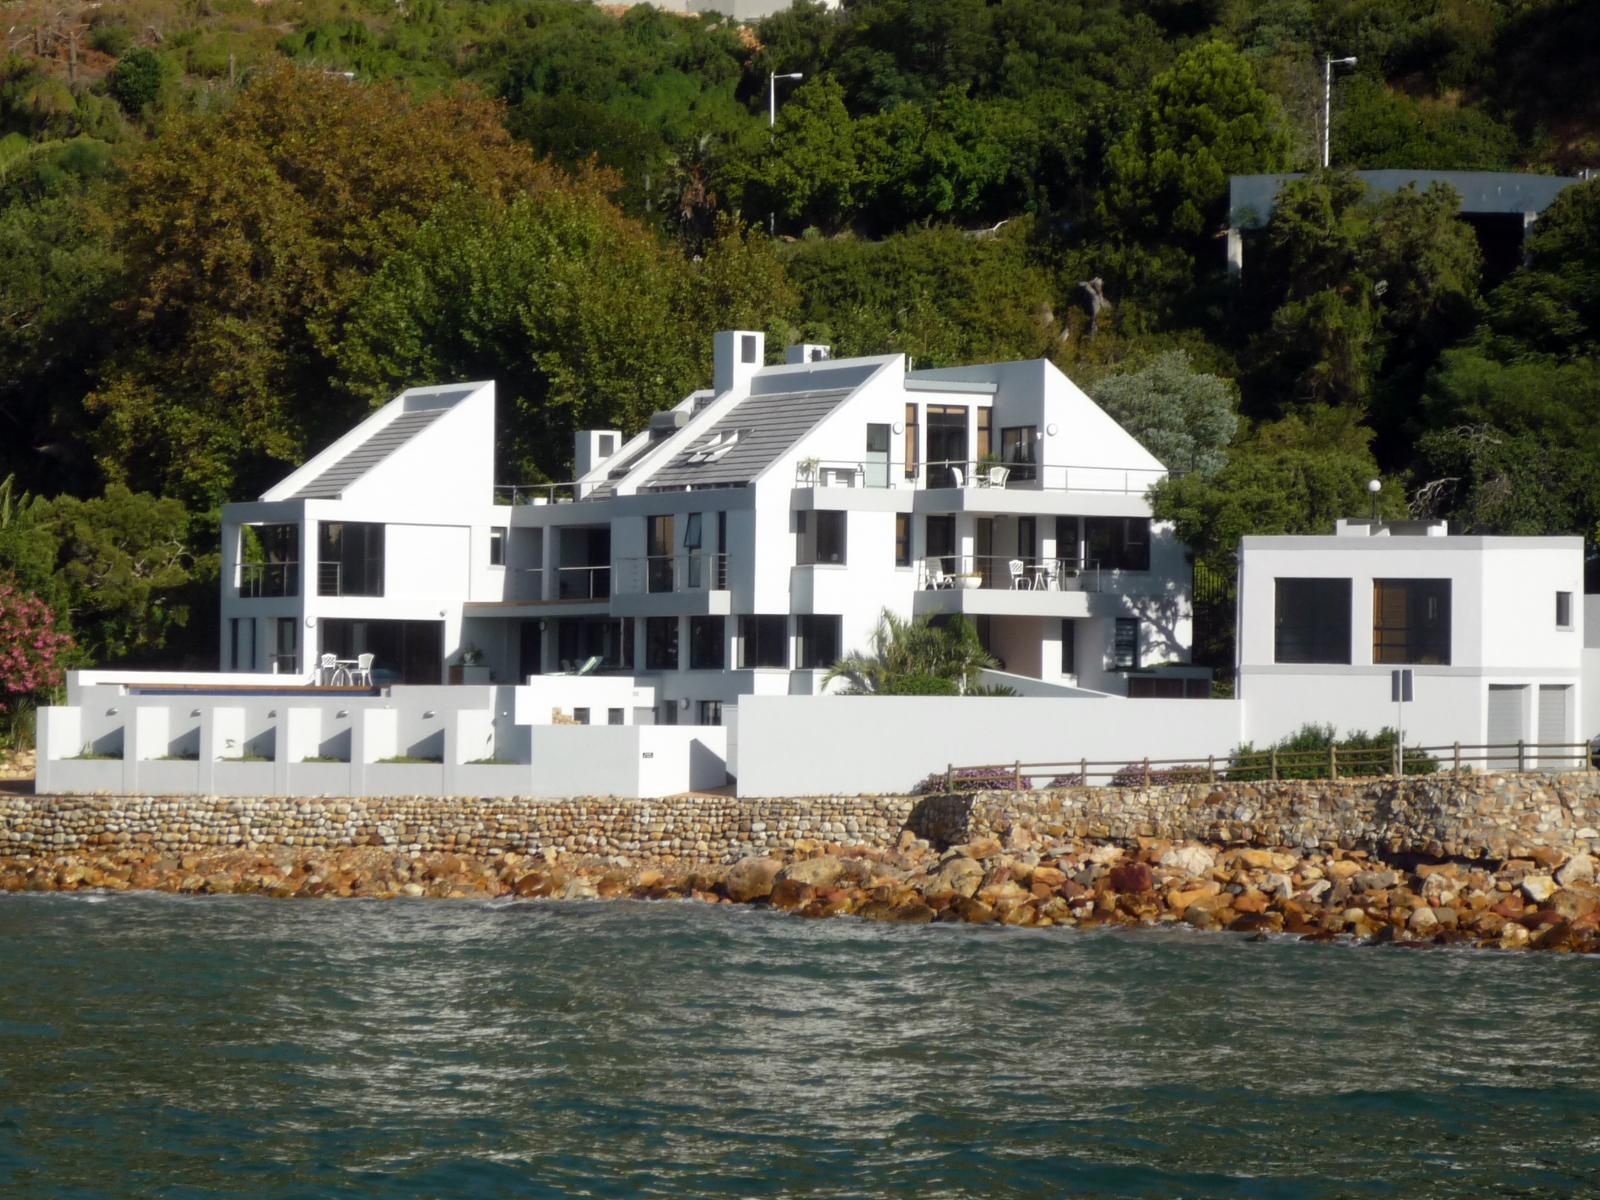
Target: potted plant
{"points": [[808, 469], [471, 656]]}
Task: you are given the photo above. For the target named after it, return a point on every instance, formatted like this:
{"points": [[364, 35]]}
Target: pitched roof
{"points": [[747, 439], [365, 455]]}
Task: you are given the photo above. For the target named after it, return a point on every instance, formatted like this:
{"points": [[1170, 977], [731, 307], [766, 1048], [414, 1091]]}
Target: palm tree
{"points": [[914, 657]]}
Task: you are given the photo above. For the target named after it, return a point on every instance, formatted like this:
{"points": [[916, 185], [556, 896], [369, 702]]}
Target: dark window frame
{"points": [[1117, 543], [661, 649], [708, 636], [818, 640], [763, 642], [1412, 621], [902, 539], [497, 545], [1312, 619], [1125, 644]]}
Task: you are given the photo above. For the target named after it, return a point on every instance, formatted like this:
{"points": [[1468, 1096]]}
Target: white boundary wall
{"points": [[846, 745]]}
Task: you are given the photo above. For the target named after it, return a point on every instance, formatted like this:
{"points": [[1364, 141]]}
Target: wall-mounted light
{"points": [[428, 714], [343, 712], [311, 622], [684, 703], [272, 712], [194, 712], [1052, 429], [898, 427]]}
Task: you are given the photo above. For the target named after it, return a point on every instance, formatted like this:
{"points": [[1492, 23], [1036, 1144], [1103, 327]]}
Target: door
{"points": [[659, 549], [984, 549], [947, 445], [1506, 703], [1554, 753], [876, 463]]}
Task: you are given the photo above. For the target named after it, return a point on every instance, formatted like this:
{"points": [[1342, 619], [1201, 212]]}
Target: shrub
{"points": [[1304, 755], [135, 82], [973, 779], [31, 650], [1133, 775]]}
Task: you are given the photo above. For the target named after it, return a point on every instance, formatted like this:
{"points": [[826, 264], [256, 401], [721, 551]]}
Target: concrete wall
{"points": [[796, 746]]}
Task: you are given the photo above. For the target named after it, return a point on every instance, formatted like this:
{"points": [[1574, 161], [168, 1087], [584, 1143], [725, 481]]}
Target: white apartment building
{"points": [[739, 545], [1492, 629]]}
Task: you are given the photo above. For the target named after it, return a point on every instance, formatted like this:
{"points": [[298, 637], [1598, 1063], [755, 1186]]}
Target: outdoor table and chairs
{"points": [[333, 671]]}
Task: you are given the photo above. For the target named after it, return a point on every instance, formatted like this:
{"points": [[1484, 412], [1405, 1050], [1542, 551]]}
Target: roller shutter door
{"points": [[1553, 728], [1505, 723]]}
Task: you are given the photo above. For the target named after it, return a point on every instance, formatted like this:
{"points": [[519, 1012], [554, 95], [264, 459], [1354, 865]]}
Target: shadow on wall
{"points": [[1161, 615]]}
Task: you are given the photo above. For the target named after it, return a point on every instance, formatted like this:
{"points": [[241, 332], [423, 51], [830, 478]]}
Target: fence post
{"points": [[1211, 768], [1274, 763], [1456, 770], [1016, 772], [1333, 761], [1083, 772], [1522, 755], [949, 777], [1147, 770]]}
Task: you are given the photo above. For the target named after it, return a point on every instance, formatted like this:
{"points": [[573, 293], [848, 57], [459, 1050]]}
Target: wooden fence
{"points": [[1332, 763]]}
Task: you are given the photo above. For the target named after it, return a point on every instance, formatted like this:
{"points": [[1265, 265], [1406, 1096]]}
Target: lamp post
{"points": [[772, 122], [1328, 64], [1373, 488]]}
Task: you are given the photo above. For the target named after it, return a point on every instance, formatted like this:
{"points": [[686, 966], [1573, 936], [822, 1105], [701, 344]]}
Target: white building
{"points": [[1491, 627], [739, 545]]}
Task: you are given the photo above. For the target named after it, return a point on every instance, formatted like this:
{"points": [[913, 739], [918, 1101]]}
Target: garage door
{"points": [[1506, 705], [1553, 729]]}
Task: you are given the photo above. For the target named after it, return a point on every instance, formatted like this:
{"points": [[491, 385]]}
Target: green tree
{"points": [[1205, 119], [1552, 305], [810, 173], [135, 82], [1184, 417], [914, 657]]}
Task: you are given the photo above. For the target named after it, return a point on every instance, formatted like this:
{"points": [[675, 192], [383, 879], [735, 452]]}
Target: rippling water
{"points": [[184, 1047]]}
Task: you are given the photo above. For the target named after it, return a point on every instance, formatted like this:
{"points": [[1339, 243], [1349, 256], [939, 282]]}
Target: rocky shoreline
{"points": [[1547, 901]]}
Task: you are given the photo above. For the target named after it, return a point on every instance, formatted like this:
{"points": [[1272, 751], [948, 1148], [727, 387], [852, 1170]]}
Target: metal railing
{"points": [[584, 583], [690, 571], [963, 474], [993, 571], [524, 583], [255, 580], [536, 493], [1333, 763]]}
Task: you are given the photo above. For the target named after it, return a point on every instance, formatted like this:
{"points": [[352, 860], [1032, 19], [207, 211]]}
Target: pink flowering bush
{"points": [[31, 648]]}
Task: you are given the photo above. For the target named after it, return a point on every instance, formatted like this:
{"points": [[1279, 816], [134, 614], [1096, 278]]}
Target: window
{"points": [[911, 441], [705, 643], [1311, 621], [286, 646], [1125, 644], [497, 546], [614, 716], [985, 437], [711, 712], [1117, 543], [940, 532], [1563, 610], [1027, 538], [269, 560], [763, 642], [581, 715], [1067, 541], [947, 444], [1069, 647], [243, 631], [747, 347], [875, 467], [691, 531], [819, 639], [661, 643], [1411, 621], [350, 559], [819, 536], [1016, 449], [902, 539]]}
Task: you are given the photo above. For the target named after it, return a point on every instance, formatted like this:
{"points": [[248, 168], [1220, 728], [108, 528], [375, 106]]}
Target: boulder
{"points": [[1265, 860], [1344, 868], [1374, 881], [1422, 920], [1577, 869], [1105, 854], [954, 878], [815, 872], [1131, 877], [751, 879], [1191, 860], [1181, 899], [1538, 888]]}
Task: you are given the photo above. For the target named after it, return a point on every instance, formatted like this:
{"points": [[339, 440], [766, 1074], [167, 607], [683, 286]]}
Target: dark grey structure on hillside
{"points": [[1485, 195]]}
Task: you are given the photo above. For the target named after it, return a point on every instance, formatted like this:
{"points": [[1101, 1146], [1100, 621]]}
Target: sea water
{"points": [[245, 1047]]}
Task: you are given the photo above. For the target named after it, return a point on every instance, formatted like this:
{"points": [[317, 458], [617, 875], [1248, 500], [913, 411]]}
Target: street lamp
{"points": [[772, 121], [1328, 65]]}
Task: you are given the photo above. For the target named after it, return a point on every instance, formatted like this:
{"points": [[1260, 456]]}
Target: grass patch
{"points": [[245, 758], [410, 758], [324, 758], [96, 756]]}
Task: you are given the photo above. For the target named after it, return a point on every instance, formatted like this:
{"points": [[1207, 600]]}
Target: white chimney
{"points": [[591, 447], [738, 354], [807, 352]]}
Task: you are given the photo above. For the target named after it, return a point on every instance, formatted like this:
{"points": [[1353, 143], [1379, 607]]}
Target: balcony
{"points": [[692, 583], [257, 580], [585, 582], [967, 475], [1009, 586]]}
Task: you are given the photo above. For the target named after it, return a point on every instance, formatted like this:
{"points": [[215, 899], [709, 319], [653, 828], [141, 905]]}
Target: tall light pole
{"points": [[1328, 64], [772, 122]]}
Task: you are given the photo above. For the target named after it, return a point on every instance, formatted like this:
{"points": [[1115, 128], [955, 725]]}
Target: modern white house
{"points": [[1492, 629], [739, 545]]}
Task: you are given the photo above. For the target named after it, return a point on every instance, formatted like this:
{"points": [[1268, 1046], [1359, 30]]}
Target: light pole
{"points": [[772, 122], [1328, 64]]}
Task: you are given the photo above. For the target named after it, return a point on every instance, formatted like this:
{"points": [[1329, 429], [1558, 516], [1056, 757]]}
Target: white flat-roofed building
{"points": [[1492, 629]]}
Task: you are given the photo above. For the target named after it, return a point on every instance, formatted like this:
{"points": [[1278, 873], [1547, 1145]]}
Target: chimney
{"points": [[591, 447], [738, 355], [807, 352]]}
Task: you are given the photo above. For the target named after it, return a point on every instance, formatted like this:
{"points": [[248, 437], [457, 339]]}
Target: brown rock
{"points": [[750, 879], [1131, 877], [1179, 899], [1250, 901], [791, 893], [955, 877], [974, 912]]}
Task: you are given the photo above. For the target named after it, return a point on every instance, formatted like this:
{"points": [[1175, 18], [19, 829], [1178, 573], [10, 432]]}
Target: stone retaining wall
{"points": [[1490, 816]]}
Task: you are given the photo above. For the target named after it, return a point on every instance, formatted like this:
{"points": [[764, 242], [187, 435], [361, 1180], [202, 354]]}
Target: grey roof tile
{"points": [[361, 458], [767, 426]]}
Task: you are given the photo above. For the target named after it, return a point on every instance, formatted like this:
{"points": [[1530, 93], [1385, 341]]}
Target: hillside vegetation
{"points": [[228, 228]]}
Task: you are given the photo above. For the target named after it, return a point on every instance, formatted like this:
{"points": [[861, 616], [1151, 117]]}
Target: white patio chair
{"points": [[326, 666], [998, 476], [957, 479], [1019, 577], [363, 674], [933, 568]]}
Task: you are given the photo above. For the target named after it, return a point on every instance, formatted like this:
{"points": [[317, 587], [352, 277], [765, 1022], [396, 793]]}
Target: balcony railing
{"points": [[692, 571], [524, 583], [584, 583], [968, 473], [995, 571], [256, 580], [536, 493]]}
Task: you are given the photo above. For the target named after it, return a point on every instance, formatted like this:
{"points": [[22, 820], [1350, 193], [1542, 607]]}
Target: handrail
{"points": [[993, 571], [275, 579], [536, 493], [685, 571], [1333, 763], [939, 474], [592, 582]]}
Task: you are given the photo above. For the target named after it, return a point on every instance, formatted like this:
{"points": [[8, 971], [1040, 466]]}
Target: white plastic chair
{"points": [[326, 666], [998, 476], [933, 568], [957, 478], [364, 670], [1019, 578]]}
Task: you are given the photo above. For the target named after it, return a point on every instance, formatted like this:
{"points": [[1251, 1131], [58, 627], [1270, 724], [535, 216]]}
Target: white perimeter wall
{"points": [[833, 745], [628, 760]]}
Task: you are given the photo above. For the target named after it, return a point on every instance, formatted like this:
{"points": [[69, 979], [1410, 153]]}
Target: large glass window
{"points": [[818, 636], [497, 546], [661, 643], [912, 426], [1125, 644], [1069, 647], [763, 641], [269, 560], [658, 545], [350, 558], [1411, 621], [819, 536], [1311, 621], [1117, 543], [1067, 541], [1017, 449], [947, 444], [705, 643]]}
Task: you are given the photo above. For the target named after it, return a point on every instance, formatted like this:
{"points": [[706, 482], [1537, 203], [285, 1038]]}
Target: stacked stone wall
{"points": [[1480, 816]]}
